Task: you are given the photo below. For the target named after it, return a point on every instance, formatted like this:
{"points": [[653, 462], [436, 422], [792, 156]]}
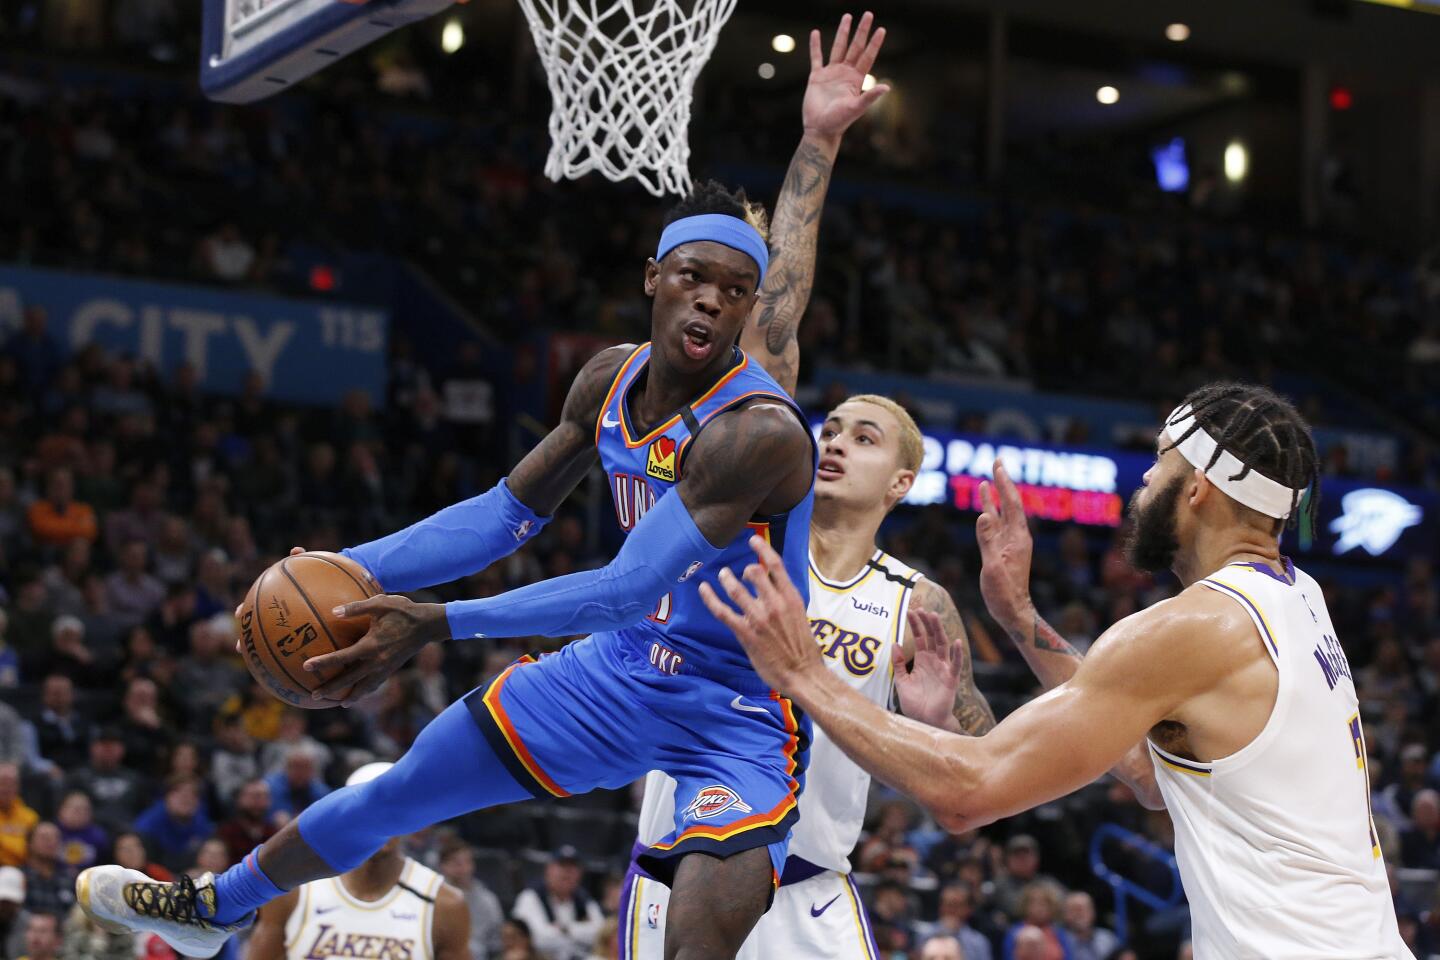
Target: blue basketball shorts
{"points": [[606, 710]]}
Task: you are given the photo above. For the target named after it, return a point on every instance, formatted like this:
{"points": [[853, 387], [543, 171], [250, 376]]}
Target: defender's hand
{"points": [[927, 686], [833, 98], [399, 627], [771, 623], [1005, 550]]}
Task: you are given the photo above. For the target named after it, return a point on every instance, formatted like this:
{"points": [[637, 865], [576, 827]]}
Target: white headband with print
{"points": [[1253, 490]]}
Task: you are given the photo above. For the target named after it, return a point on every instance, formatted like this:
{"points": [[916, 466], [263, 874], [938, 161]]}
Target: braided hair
{"points": [[712, 196], [1263, 431]]}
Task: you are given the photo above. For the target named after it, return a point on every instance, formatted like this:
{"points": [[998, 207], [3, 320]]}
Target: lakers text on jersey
{"points": [[330, 922]]}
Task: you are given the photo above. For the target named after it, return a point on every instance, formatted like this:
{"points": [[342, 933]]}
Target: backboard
{"points": [[252, 49]]}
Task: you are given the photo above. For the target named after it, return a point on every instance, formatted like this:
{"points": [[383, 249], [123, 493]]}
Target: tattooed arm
{"points": [[833, 101], [938, 687], [1005, 548]]}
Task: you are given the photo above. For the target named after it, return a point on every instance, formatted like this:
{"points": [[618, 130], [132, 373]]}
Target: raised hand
{"points": [[833, 98], [927, 686], [771, 623], [1005, 551], [399, 627]]}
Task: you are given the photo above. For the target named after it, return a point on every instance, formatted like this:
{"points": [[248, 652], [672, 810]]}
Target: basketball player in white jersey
{"points": [[388, 908], [870, 449], [1236, 693]]}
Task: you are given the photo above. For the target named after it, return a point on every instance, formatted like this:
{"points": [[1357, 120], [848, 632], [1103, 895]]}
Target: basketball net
{"points": [[621, 82]]}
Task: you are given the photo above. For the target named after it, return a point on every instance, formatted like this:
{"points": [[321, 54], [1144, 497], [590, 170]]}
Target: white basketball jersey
{"points": [[1275, 843], [856, 624], [330, 922]]}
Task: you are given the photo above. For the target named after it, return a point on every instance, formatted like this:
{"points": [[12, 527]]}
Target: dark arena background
{"points": [[226, 330]]}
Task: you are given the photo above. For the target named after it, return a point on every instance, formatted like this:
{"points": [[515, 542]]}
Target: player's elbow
{"points": [[956, 800]]}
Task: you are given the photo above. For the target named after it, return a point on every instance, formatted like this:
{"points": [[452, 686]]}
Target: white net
{"points": [[621, 81]]}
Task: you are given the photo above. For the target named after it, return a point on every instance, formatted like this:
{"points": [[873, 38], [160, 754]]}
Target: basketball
{"points": [[286, 619]]}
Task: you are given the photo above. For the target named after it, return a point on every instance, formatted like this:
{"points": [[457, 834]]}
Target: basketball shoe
{"points": [[123, 900]]}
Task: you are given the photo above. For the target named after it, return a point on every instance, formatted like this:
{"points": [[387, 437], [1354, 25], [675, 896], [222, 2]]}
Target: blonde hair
{"points": [[756, 216], [912, 446]]}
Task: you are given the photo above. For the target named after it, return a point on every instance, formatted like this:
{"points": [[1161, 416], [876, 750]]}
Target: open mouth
{"points": [[829, 469], [699, 340]]}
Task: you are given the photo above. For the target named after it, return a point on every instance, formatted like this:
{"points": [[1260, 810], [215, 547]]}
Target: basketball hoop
{"points": [[621, 82]]}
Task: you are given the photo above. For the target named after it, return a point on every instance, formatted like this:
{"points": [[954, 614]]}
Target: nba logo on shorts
{"points": [[660, 462], [652, 916], [713, 801]]}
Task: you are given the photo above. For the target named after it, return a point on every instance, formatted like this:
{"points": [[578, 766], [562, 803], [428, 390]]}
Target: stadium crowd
{"points": [[136, 509]]}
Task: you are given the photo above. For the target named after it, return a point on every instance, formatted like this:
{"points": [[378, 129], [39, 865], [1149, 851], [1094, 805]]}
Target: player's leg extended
{"points": [[716, 902]]}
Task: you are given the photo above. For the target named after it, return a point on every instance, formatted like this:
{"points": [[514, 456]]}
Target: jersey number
{"points": [[1358, 739], [662, 609]]}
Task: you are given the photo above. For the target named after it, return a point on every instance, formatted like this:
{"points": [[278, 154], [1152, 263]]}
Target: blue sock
{"points": [[241, 889]]}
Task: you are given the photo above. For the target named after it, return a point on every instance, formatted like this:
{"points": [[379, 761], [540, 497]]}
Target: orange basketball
{"points": [[286, 619]]}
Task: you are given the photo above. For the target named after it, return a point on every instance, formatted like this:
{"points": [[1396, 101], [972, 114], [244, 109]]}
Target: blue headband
{"points": [[721, 228]]}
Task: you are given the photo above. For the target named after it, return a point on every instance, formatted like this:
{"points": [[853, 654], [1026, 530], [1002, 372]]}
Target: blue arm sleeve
{"points": [[658, 554], [460, 540]]}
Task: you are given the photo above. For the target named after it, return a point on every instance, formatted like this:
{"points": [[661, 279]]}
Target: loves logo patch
{"points": [[713, 801], [660, 461]]}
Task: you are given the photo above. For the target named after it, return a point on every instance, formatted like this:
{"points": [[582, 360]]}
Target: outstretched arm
{"points": [[469, 536], [1139, 674], [934, 674], [1005, 551], [752, 460], [833, 101]]}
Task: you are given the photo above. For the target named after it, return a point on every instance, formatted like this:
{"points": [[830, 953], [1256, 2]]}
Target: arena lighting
{"points": [[1341, 98], [1237, 161], [868, 82], [1107, 95], [1177, 32], [782, 43], [766, 71], [452, 38]]}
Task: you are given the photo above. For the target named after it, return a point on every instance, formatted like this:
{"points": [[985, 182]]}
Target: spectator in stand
{"points": [[13, 915], [457, 866], [293, 735], [16, 819], [232, 762], [117, 792], [34, 351], [1039, 909], [134, 593], [892, 918], [942, 946], [175, 825], [63, 733], [1414, 777], [71, 656], [85, 939], [58, 518], [212, 857], [297, 784], [1420, 845], [251, 824], [49, 884], [141, 521], [562, 918], [81, 840], [207, 677], [144, 729], [517, 943], [1029, 943], [1022, 867], [132, 854], [1087, 941], [9, 659], [42, 936], [957, 906]]}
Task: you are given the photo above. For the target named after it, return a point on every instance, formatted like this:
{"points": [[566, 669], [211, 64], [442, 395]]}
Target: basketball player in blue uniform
{"points": [[703, 450]]}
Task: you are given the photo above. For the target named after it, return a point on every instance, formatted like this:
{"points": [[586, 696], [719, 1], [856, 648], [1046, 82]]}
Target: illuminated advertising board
{"points": [[1359, 519]]}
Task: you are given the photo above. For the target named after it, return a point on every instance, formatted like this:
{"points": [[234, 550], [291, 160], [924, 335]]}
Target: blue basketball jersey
{"points": [[642, 469]]}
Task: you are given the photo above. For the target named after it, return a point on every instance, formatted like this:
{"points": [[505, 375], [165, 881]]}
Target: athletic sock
{"points": [[241, 889]]}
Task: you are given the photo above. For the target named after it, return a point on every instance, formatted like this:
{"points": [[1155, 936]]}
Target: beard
{"points": [[1153, 542]]}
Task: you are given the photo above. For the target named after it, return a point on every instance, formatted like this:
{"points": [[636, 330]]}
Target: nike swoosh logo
{"points": [[816, 912], [606, 422], [738, 705], [323, 910]]}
